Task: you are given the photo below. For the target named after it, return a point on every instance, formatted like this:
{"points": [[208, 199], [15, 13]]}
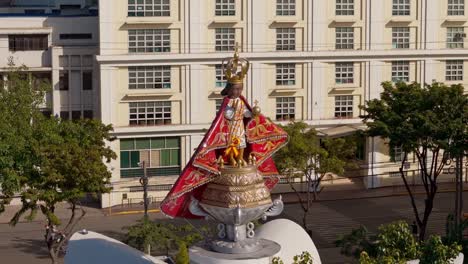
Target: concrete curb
{"points": [[134, 212]]}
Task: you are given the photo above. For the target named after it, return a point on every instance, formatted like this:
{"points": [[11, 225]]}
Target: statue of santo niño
{"points": [[239, 137]]}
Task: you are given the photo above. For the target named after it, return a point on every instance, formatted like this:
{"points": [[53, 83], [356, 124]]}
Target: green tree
{"points": [[182, 256], [430, 121], [162, 237], [306, 156], [47, 160], [395, 243]]}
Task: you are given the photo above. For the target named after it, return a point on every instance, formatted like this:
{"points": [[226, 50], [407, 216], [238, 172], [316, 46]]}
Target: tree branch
{"points": [[413, 202]]}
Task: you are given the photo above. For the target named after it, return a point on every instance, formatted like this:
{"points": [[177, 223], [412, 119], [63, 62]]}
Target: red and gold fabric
{"points": [[264, 138]]}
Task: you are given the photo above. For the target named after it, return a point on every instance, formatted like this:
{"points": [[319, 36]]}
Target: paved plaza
{"points": [[24, 244]]}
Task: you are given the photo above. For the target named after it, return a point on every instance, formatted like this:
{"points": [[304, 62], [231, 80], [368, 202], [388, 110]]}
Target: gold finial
{"points": [[256, 109], [231, 66]]}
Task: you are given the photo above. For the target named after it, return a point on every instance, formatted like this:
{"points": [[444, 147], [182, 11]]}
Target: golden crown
{"points": [[231, 70]]}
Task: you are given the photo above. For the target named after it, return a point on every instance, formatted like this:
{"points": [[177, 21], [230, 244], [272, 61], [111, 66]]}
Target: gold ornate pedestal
{"points": [[237, 188]]}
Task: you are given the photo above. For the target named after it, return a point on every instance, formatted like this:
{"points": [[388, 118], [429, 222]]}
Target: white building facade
{"points": [[57, 41], [311, 60]]}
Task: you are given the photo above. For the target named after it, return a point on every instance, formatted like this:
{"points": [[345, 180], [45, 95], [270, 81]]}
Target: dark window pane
{"points": [[63, 81], [76, 115], [88, 114], [165, 157], [76, 36], [87, 80], [127, 144], [134, 159], [64, 115], [124, 159]]}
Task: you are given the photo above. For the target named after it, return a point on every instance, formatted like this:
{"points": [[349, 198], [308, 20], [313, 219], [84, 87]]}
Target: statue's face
{"points": [[236, 90]]}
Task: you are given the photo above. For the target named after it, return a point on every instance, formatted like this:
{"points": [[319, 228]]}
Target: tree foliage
{"points": [[47, 160], [394, 243], [307, 156], [182, 256], [163, 237], [430, 121]]}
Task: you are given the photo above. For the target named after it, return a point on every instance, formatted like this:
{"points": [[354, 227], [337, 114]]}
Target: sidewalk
{"points": [[62, 211], [328, 193], [343, 192]]}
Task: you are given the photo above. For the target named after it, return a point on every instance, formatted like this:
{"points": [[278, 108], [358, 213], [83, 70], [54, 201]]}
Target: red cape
{"points": [[263, 139]]}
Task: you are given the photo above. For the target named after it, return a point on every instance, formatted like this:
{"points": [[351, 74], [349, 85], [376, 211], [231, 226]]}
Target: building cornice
{"points": [[298, 56]]}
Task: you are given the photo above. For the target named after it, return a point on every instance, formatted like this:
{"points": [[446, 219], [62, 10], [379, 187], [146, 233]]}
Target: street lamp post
{"points": [[144, 182]]}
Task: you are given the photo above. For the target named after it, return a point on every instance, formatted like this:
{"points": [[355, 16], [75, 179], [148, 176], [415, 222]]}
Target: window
{"points": [[456, 7], [344, 72], [65, 115], [401, 7], [401, 37], [344, 106], [455, 37], [285, 7], [397, 154], [400, 71], [344, 8], [225, 8], [76, 115], [88, 114], [27, 42], [220, 77], [150, 113], [149, 8], [218, 103], [225, 39], [34, 11], [63, 81], [161, 156], [454, 70], [149, 77], [285, 108], [285, 39], [285, 74], [68, 7], [76, 36], [149, 40], [344, 38], [87, 80]]}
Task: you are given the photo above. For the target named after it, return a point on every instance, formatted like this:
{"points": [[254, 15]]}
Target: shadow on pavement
{"points": [[35, 247]]}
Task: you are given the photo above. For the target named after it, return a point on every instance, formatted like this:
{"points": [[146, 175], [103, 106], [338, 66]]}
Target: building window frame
{"points": [[221, 80], [149, 40], [344, 7], [285, 7], [398, 154], [149, 77], [28, 42], [400, 71], [150, 113], [285, 74], [401, 7], [455, 37], [344, 106], [64, 83], [87, 80], [344, 38], [162, 156], [149, 8], [285, 108], [401, 37], [344, 73], [454, 70], [456, 8], [285, 39], [225, 39], [225, 7]]}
